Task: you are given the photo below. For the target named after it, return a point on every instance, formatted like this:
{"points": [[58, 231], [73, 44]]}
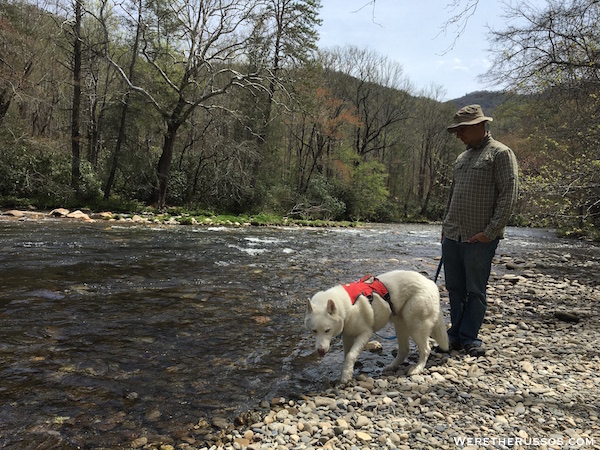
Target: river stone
{"points": [[78, 215], [59, 212], [567, 316], [362, 422], [526, 366], [374, 347], [324, 401], [139, 442], [363, 436], [14, 213], [220, 423]]}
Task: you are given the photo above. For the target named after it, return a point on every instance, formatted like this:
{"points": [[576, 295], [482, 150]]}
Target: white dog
{"points": [[356, 310]]}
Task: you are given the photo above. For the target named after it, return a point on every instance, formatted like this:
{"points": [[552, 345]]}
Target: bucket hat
{"points": [[469, 115]]}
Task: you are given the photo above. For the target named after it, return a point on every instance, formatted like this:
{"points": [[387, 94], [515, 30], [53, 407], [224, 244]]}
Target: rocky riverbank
{"points": [[140, 219], [168, 218], [537, 387]]}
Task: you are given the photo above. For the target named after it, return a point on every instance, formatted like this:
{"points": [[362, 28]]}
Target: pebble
{"points": [[538, 380]]}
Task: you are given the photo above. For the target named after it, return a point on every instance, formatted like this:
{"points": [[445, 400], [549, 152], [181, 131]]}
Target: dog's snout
{"points": [[321, 351]]}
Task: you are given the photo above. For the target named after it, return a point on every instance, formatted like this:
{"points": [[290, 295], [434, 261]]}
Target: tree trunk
{"points": [[164, 163], [75, 133], [122, 126], [5, 100], [115, 159]]}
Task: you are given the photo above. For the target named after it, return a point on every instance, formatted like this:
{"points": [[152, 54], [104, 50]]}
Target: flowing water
{"points": [[111, 332]]}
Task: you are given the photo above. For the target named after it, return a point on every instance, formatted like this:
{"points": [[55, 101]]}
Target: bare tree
{"points": [[434, 157], [378, 93], [461, 11], [21, 23], [551, 52], [548, 46], [137, 26], [75, 113], [196, 51]]}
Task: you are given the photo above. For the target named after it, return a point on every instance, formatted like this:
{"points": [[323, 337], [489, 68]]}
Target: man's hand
{"points": [[479, 237]]}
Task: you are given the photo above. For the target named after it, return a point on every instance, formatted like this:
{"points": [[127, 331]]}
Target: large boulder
{"points": [[78, 215], [59, 212], [14, 213]]}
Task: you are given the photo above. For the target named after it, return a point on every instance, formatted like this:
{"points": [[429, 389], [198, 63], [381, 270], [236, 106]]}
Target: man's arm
{"points": [[506, 173]]}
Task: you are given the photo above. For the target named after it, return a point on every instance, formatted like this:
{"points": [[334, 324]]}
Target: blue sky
{"points": [[410, 32]]}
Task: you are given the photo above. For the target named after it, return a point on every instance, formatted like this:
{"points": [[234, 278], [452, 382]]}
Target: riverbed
{"points": [[111, 331]]}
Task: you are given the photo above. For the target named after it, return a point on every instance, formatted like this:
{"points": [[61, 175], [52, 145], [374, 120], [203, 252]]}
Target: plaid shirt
{"points": [[484, 191]]}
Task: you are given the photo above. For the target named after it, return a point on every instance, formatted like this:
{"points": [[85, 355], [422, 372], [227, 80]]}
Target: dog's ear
{"points": [[331, 306], [309, 307]]}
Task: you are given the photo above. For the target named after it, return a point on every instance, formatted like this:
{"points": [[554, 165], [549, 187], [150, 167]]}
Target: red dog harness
{"points": [[366, 286]]}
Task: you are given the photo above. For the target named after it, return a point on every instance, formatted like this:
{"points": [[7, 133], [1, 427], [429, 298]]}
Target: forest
{"points": [[230, 106]]}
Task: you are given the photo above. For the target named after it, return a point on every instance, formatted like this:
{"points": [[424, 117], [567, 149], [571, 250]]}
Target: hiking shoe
{"points": [[455, 346], [474, 350], [451, 346]]}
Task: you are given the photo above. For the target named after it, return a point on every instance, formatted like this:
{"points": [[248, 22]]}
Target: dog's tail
{"points": [[439, 332]]}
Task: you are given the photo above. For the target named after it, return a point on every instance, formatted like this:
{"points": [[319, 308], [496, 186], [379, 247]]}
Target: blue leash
{"points": [[391, 338]]}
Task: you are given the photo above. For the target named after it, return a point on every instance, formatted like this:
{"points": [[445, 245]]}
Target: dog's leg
{"points": [[403, 343], [352, 355], [421, 337], [348, 343]]}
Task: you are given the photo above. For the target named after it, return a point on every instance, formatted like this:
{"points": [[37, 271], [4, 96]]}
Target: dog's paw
{"points": [[390, 368], [345, 380], [346, 377], [414, 370]]}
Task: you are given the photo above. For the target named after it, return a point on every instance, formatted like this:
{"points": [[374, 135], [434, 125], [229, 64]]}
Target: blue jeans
{"points": [[467, 270]]}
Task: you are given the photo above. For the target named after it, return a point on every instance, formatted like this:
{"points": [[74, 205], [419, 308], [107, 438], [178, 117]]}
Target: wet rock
{"points": [[153, 414], [79, 215], [220, 423], [277, 401], [374, 347], [59, 212], [106, 215], [567, 316], [14, 213], [139, 442]]}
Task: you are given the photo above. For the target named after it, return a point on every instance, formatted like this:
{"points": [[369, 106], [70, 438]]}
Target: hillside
{"points": [[489, 100]]}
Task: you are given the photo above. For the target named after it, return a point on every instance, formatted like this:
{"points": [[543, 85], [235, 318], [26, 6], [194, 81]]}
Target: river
{"points": [[110, 332]]}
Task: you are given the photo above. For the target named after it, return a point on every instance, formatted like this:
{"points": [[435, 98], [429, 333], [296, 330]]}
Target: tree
{"points": [[20, 24], [315, 128], [435, 153], [553, 54], [551, 46], [75, 112], [137, 26], [376, 91], [293, 36], [195, 51], [284, 43], [29, 70]]}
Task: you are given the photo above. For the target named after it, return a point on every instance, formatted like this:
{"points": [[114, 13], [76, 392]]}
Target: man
{"points": [[482, 198]]}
